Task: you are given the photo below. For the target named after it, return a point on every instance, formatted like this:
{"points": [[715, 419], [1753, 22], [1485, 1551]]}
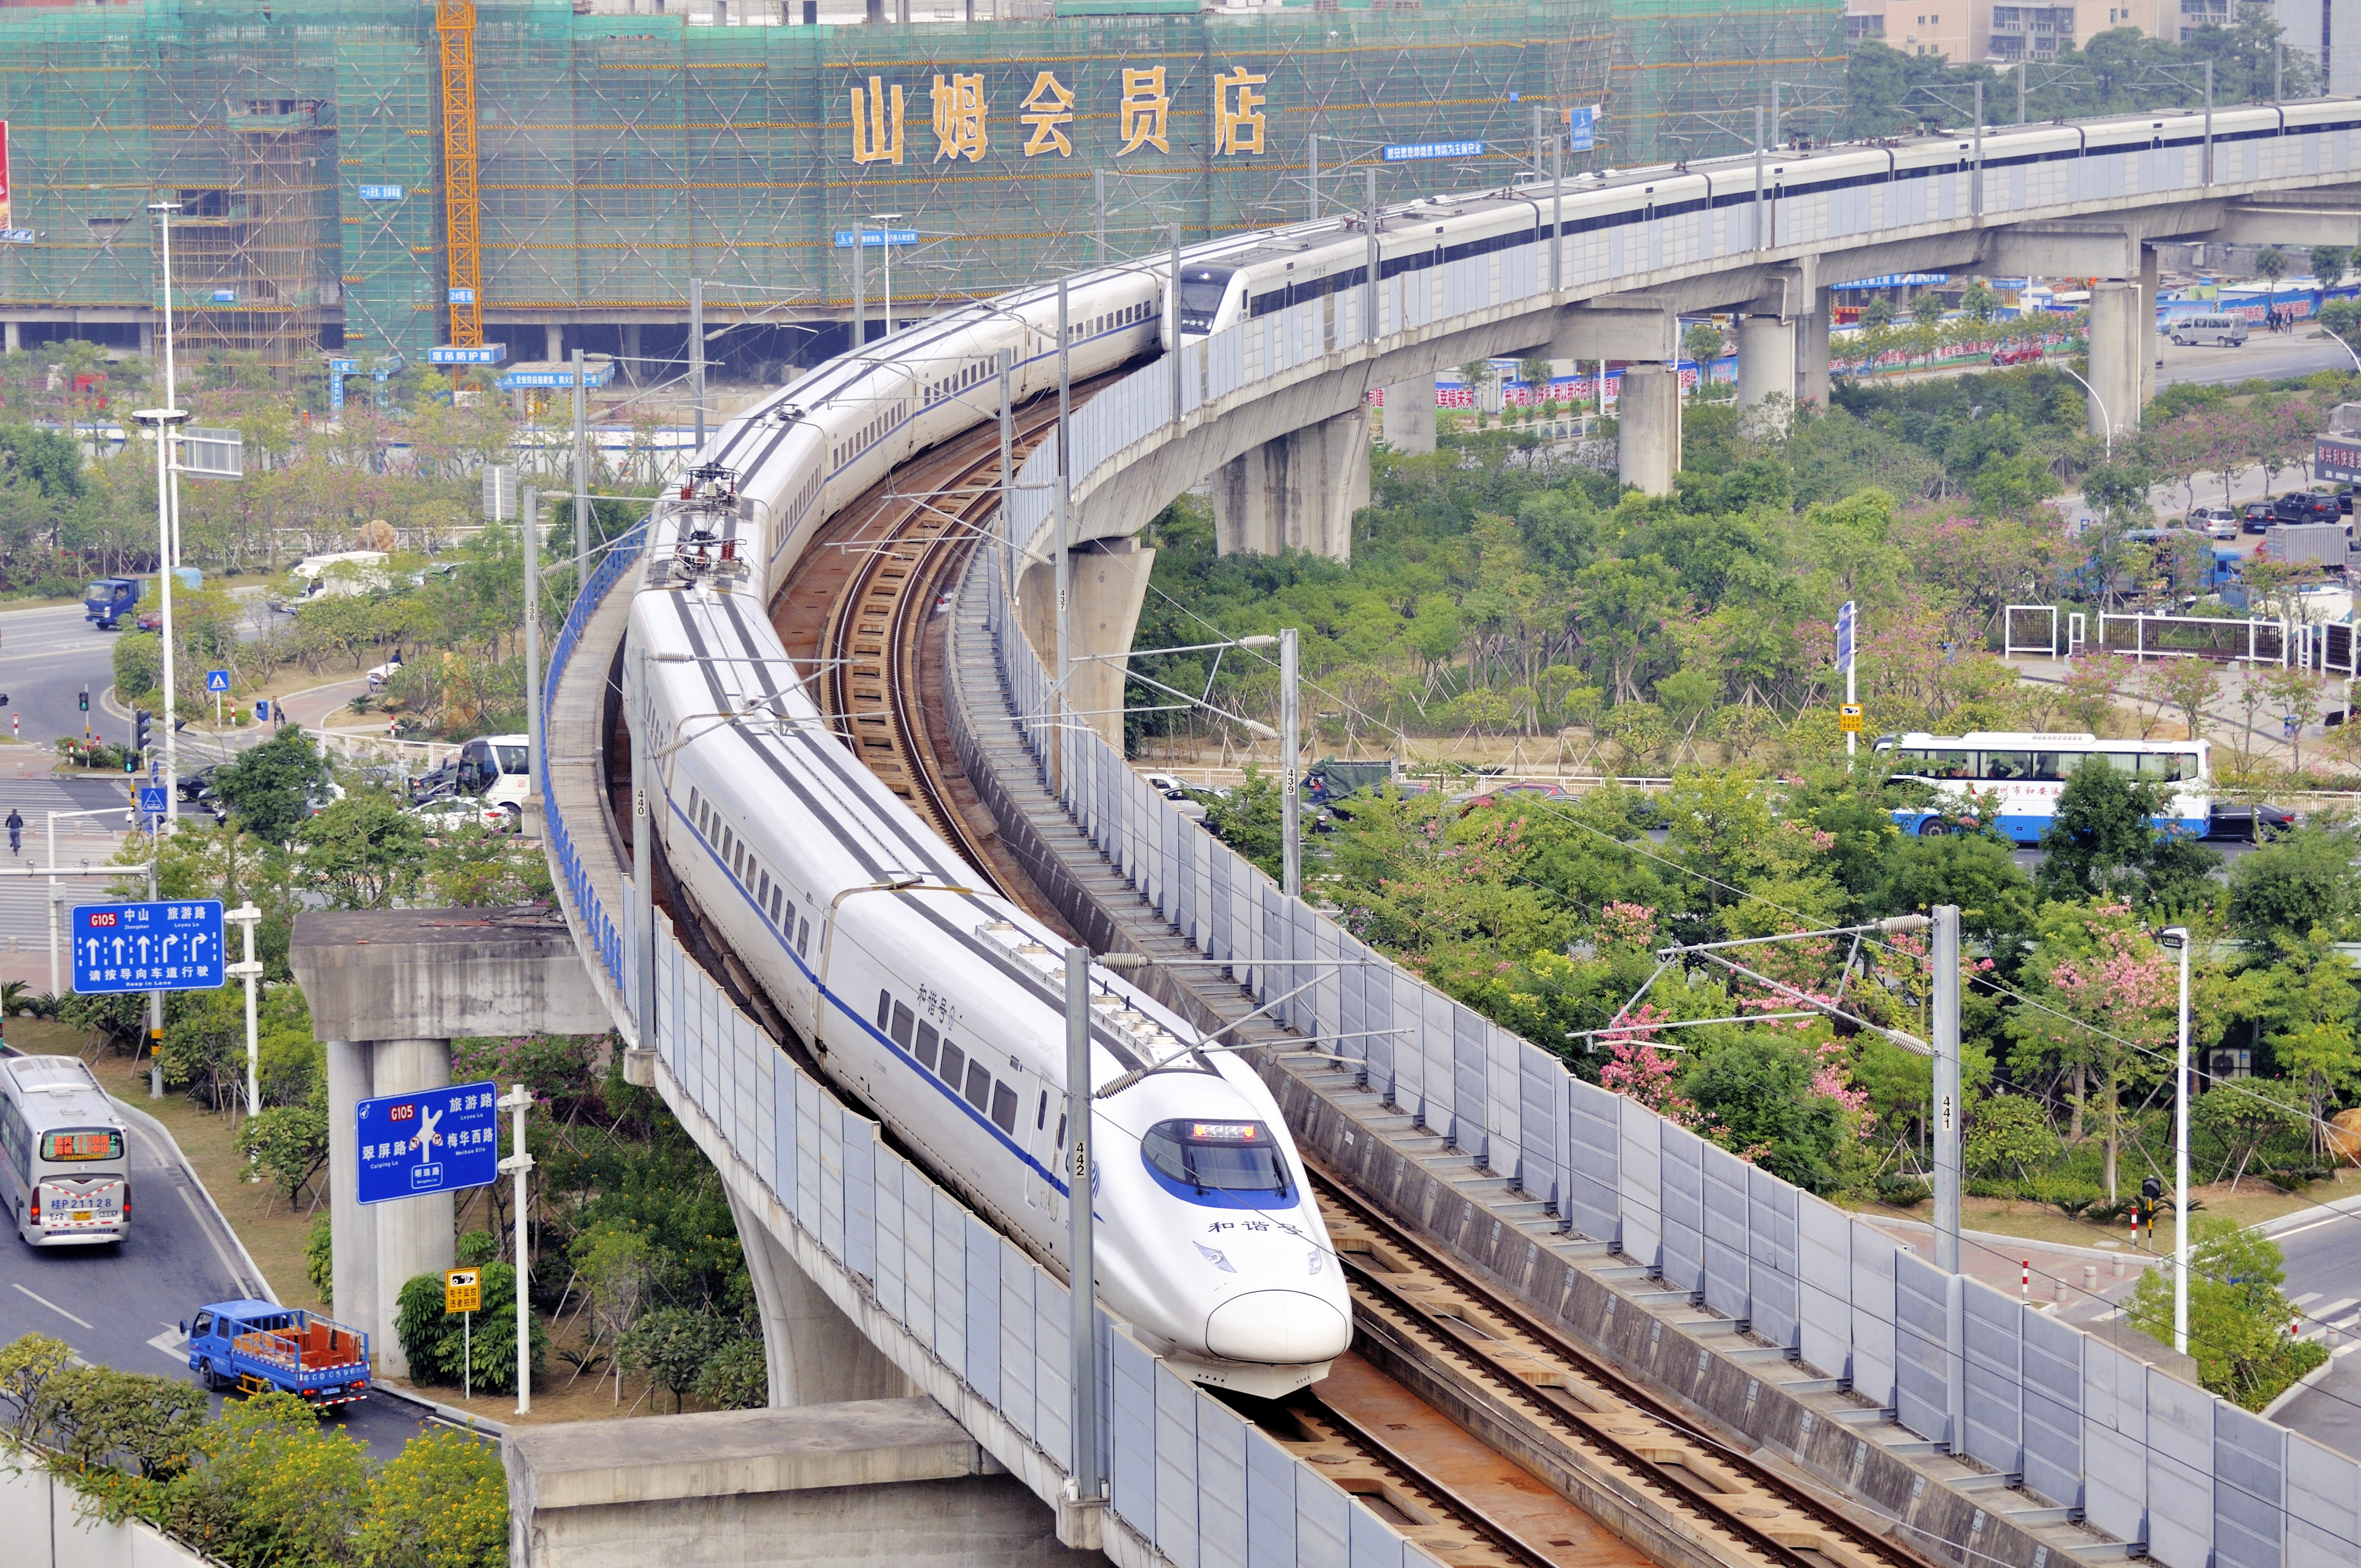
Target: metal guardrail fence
{"points": [[2043, 631], [2147, 1457]]}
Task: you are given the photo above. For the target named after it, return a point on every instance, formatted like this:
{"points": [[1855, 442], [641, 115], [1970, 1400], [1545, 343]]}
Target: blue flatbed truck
{"points": [[109, 599], [259, 1346]]}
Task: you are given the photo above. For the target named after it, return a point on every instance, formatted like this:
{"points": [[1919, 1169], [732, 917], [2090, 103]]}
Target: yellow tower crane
{"points": [[455, 21]]}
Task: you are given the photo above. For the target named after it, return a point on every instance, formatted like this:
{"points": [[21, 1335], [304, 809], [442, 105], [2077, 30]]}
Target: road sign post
{"points": [[218, 682], [157, 945], [1849, 719], [463, 1293], [427, 1141], [247, 916], [1847, 628]]}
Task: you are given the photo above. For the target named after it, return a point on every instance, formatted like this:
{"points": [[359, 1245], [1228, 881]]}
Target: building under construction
{"points": [[373, 179]]}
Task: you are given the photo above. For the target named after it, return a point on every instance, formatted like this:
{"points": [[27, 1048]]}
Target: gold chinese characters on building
{"points": [[962, 116]]}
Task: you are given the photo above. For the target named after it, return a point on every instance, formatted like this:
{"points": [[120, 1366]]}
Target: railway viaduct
{"points": [[1695, 1314]]}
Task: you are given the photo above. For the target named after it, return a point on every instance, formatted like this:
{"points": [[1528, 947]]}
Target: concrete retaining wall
{"points": [[44, 1526]]}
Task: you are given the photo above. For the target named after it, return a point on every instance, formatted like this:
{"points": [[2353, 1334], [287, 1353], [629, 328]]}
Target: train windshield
{"points": [[1217, 1156], [1202, 288]]}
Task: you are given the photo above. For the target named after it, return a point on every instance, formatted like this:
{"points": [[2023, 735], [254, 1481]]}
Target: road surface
{"points": [[2275, 356], [48, 656], [122, 1306], [2323, 1280]]}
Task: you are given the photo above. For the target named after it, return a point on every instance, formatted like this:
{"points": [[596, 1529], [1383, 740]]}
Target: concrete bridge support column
{"points": [[1648, 445], [2118, 344], [814, 1354], [1766, 360], [1110, 583], [2150, 267], [1410, 416], [1297, 491], [1812, 354], [553, 339], [379, 1248]]}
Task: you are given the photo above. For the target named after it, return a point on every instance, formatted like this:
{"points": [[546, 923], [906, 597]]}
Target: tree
{"points": [[96, 1416], [2092, 685], [2237, 1316], [1878, 312], [2008, 1131], [2107, 999], [671, 1344], [2184, 685], [2312, 1003], [291, 1142], [2271, 265], [2302, 881], [2329, 264], [2102, 834], [2247, 1113], [1978, 873], [1978, 301], [737, 1377], [269, 1484], [2296, 696], [441, 1503], [363, 850], [269, 788], [28, 1364], [1927, 310]]}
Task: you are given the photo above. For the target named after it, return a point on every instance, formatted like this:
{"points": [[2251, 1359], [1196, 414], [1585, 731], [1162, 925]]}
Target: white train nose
{"points": [[1281, 1326]]}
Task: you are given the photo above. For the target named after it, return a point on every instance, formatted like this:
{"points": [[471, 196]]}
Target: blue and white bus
{"points": [[2022, 774]]}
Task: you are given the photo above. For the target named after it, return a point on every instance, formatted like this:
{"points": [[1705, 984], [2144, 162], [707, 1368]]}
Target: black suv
{"points": [[2257, 518], [2300, 506]]}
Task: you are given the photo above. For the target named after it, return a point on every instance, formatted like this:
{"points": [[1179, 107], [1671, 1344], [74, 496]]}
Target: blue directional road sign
{"points": [[872, 238], [151, 799], [216, 680], [170, 945], [1582, 127], [430, 1140], [1845, 636]]}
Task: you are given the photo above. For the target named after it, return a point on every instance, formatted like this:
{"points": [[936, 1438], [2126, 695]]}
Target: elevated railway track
{"points": [[1483, 1436]]}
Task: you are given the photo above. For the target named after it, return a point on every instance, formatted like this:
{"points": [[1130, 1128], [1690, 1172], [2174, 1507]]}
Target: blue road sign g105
{"points": [[169, 945], [429, 1140]]}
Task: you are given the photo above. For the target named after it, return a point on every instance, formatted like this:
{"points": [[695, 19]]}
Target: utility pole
{"points": [[2209, 123], [697, 355], [2024, 70], [1557, 214], [1065, 580], [516, 1102], [1976, 181], [1173, 321], [529, 525], [1313, 160], [1373, 320], [1082, 1275], [1760, 239], [643, 858], [581, 480], [1947, 1087], [2177, 939], [1007, 472], [1291, 747], [859, 320], [246, 915]]}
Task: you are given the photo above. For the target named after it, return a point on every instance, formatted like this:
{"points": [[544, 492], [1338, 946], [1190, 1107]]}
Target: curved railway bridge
{"points": [[1580, 1334]]}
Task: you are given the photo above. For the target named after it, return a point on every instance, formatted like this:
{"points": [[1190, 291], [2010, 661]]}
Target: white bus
{"points": [[67, 1174], [2022, 774], [496, 767]]}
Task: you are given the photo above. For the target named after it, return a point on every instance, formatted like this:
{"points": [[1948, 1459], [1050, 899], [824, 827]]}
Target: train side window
{"points": [[1041, 1116], [979, 1085], [927, 1042], [763, 890], [1003, 1108], [1060, 1139], [953, 1065], [696, 805], [885, 1008], [776, 895], [903, 1017], [803, 935]]}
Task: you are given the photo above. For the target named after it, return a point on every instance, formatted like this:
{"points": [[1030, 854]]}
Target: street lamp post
{"points": [[245, 916], [168, 511], [2175, 939], [2100, 403]]}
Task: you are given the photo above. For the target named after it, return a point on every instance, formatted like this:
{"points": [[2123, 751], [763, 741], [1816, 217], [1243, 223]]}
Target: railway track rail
{"points": [[1531, 1392]]}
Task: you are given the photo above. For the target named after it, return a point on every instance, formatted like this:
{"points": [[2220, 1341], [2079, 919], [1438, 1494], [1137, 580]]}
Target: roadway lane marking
{"points": [[174, 1344], [52, 1306], [182, 1179], [2328, 1220], [2306, 1299], [2344, 1350]]}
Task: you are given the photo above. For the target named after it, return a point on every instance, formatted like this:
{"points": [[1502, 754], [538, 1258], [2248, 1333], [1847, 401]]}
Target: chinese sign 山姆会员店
{"points": [[1049, 112]]}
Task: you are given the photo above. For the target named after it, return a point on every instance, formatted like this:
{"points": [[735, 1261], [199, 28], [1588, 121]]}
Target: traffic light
{"points": [[140, 721], [85, 699]]}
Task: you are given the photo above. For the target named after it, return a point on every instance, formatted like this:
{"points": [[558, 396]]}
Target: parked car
{"points": [[450, 811], [2253, 824], [2219, 522], [2257, 518], [149, 620], [2018, 353], [2303, 505]]}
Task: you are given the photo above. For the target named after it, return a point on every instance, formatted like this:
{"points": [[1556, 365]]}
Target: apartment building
{"points": [[1965, 30]]}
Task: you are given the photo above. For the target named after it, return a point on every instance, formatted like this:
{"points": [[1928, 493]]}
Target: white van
{"points": [[2215, 331], [65, 1175]]}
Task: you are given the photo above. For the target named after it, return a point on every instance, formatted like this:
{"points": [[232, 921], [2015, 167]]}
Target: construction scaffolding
{"points": [[619, 156], [1689, 74]]}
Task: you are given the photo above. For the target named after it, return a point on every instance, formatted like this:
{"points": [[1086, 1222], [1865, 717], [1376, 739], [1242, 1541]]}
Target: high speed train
{"points": [[940, 1006]]}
